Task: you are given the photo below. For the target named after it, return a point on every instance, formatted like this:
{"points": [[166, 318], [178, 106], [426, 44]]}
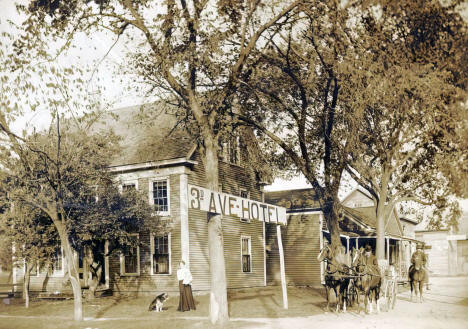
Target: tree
{"points": [[192, 52], [63, 174], [302, 94], [411, 137], [314, 85], [35, 240]]}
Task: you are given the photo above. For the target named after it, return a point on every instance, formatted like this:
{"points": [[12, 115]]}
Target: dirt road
{"points": [[445, 306]]}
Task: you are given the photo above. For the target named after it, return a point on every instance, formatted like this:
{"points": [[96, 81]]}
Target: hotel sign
{"points": [[231, 205]]}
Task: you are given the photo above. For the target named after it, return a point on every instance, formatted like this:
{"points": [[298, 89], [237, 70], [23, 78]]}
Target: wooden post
{"points": [[388, 250], [283, 273]]}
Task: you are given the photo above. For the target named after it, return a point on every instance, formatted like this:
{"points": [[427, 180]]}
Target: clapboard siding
{"points": [[146, 282], [301, 245], [42, 282], [232, 179], [440, 252]]}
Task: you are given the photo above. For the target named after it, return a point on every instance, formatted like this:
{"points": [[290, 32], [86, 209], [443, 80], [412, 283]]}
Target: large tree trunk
{"points": [[26, 282], [218, 296], [380, 242], [330, 213]]}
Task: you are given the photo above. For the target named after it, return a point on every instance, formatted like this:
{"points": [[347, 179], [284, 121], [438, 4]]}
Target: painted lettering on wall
{"points": [[231, 205]]}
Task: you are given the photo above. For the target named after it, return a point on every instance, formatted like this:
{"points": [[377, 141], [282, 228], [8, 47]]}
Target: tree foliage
{"points": [[411, 137], [189, 52]]}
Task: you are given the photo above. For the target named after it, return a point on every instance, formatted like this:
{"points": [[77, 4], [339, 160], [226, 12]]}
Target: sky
{"points": [[94, 50]]}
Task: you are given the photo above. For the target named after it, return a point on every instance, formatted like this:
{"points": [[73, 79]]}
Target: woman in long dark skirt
{"points": [[186, 302]]}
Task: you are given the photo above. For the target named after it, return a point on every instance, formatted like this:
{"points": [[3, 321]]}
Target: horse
{"points": [[336, 276], [367, 280], [417, 276]]}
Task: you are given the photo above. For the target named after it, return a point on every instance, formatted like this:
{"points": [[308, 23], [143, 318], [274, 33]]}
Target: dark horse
{"points": [[417, 276], [336, 276], [367, 280]]}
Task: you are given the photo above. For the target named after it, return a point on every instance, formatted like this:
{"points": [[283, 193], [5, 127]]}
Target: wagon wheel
{"points": [[390, 294], [352, 294], [394, 294]]}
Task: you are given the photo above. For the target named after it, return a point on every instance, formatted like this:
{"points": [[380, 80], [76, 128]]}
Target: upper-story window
{"points": [[244, 193], [233, 155], [129, 186], [160, 196]]}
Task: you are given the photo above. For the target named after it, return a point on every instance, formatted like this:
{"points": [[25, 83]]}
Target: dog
{"points": [[157, 303]]}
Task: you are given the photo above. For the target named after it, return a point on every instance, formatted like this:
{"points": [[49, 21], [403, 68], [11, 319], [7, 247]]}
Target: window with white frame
{"points": [[129, 185], [233, 155], [246, 254], [130, 257], [243, 193], [161, 254], [159, 195]]}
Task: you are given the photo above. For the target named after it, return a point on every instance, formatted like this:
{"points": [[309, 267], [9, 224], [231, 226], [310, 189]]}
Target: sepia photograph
{"points": [[238, 164]]}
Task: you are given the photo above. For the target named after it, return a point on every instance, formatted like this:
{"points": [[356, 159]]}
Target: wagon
{"points": [[388, 291], [390, 287]]}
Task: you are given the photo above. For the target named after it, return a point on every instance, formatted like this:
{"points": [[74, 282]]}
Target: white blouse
{"points": [[184, 275]]}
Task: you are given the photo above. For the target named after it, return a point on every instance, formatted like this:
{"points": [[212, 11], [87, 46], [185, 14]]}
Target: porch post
{"points": [[357, 242], [347, 244], [283, 273], [388, 250], [184, 225]]}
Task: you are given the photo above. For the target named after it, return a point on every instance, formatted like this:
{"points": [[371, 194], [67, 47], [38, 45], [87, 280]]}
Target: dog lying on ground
{"points": [[157, 303]]}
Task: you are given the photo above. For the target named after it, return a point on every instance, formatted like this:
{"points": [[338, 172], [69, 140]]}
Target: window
{"points": [[161, 254], [244, 194], [246, 254], [159, 196], [130, 258], [56, 264], [233, 150], [128, 185]]}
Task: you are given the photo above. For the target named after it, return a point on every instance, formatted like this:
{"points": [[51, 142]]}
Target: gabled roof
{"points": [[368, 216], [305, 198], [147, 139]]}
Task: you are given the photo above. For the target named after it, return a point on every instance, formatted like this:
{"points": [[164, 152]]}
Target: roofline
{"points": [[304, 211], [359, 190], [432, 231], [409, 220], [294, 189], [191, 151], [152, 164]]}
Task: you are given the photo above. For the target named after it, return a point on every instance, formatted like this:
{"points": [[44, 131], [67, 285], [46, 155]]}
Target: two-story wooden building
{"points": [[162, 160]]}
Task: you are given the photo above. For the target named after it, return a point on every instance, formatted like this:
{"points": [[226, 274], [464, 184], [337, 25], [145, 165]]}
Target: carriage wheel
{"points": [[394, 295], [352, 294], [388, 294]]}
